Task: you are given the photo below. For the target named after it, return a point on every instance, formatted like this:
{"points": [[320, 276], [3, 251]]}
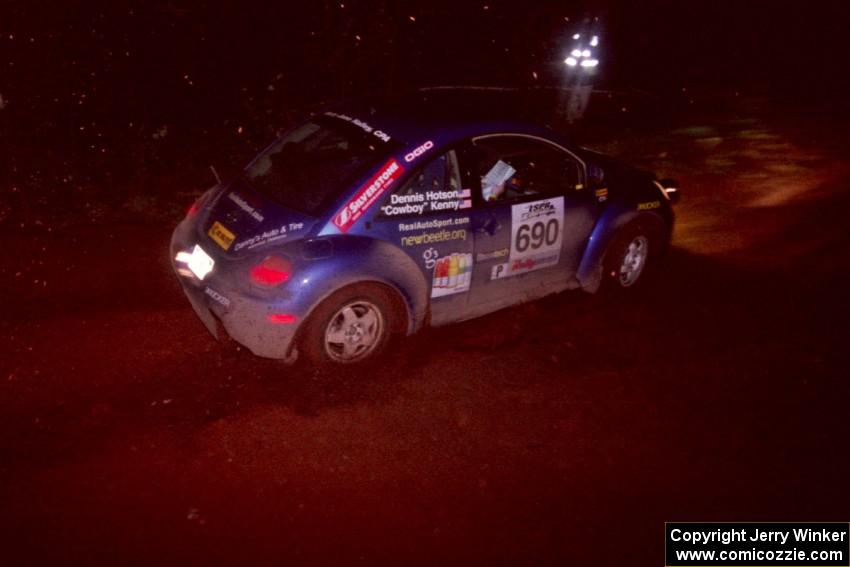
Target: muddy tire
{"points": [[352, 326]]}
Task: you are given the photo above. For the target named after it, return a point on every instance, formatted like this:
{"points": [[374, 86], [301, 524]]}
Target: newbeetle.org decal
{"points": [[367, 195], [536, 237], [434, 237]]}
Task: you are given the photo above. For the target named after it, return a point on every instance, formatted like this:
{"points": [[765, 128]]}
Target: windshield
{"points": [[307, 167]]}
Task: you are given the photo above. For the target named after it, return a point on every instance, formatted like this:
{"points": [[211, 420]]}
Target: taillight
{"points": [[193, 209], [272, 271], [281, 318]]}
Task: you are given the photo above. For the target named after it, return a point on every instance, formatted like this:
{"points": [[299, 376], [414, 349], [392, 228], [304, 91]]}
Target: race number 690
{"points": [[536, 235]]}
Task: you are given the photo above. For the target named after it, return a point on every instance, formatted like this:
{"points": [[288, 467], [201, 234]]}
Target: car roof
{"points": [[445, 114]]}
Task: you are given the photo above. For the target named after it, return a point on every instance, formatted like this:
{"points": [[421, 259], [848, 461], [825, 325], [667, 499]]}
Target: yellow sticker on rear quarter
{"points": [[221, 235]]}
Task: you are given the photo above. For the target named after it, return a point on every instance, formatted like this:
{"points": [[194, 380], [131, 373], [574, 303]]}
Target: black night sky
{"points": [[96, 82]]}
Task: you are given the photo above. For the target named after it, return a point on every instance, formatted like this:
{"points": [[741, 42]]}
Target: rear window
{"points": [[307, 167]]}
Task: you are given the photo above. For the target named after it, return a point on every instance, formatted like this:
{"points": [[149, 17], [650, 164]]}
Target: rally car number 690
{"points": [[361, 223]]}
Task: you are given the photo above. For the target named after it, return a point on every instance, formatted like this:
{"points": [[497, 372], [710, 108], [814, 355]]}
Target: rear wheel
{"points": [[350, 327]]}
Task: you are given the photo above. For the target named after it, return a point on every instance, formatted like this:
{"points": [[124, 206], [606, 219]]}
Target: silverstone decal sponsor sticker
{"points": [[269, 236], [452, 274], [428, 202], [243, 204], [419, 151], [536, 236], [362, 125], [221, 235], [368, 195], [649, 206], [434, 237]]}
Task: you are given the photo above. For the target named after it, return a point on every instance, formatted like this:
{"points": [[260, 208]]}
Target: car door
{"points": [[428, 218], [531, 220]]}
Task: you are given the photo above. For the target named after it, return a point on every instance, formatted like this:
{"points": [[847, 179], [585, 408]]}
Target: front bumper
{"points": [[244, 319]]}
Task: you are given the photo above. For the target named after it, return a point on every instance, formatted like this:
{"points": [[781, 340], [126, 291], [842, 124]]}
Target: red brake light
{"points": [[199, 203], [196, 206], [281, 318], [274, 270]]}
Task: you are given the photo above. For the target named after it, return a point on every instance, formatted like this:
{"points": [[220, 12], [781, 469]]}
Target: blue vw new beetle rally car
{"points": [[367, 221]]}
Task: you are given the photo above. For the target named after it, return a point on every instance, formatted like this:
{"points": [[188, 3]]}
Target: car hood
{"points": [[239, 220]]}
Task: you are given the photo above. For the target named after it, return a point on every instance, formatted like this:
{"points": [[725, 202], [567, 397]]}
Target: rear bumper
{"points": [[244, 319]]}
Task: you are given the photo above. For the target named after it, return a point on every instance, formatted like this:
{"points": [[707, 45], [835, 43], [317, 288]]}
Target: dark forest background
{"points": [[108, 104]]}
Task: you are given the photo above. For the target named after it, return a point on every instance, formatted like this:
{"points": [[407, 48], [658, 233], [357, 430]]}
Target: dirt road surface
{"points": [[565, 431]]}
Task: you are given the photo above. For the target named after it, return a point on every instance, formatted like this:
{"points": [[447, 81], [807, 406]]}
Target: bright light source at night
{"points": [[585, 53], [577, 36], [590, 63], [200, 263], [576, 53], [571, 61], [594, 41]]}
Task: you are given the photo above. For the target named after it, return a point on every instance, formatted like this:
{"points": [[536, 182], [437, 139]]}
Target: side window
{"points": [[516, 168], [434, 188]]}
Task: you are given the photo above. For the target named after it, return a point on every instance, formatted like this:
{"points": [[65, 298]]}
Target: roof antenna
{"points": [[217, 178]]}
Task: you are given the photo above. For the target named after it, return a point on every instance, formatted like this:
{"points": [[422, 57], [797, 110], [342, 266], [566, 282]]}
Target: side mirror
{"points": [[595, 176], [671, 187]]}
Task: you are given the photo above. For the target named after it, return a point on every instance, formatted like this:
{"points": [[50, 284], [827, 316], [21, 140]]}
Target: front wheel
{"points": [[628, 257], [350, 327]]}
